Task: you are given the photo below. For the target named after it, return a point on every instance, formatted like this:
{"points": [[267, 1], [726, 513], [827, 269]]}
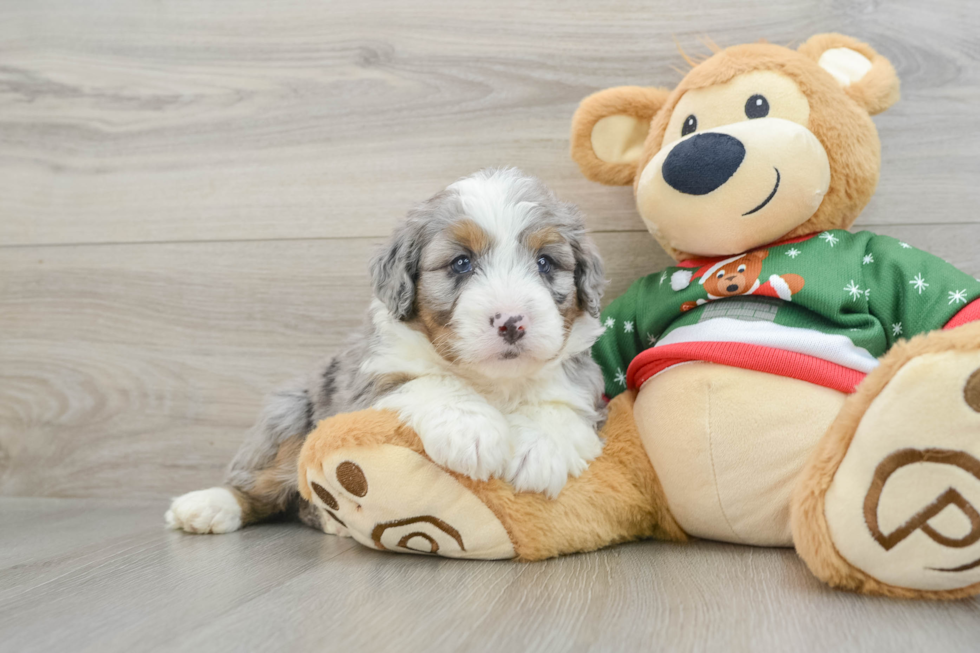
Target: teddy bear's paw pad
{"points": [[314, 516], [904, 505], [392, 499]]}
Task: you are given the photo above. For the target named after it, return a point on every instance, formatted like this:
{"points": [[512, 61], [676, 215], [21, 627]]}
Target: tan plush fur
{"points": [[839, 118], [617, 499], [878, 89], [810, 531], [636, 101], [365, 428]]}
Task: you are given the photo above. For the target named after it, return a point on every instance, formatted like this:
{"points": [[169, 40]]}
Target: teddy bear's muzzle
{"points": [[735, 187]]}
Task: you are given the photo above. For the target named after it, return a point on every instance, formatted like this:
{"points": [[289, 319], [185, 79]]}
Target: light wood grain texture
{"points": [[137, 121], [107, 578], [189, 195]]}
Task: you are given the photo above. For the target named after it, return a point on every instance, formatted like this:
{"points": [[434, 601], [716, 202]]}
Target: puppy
{"points": [[479, 335]]}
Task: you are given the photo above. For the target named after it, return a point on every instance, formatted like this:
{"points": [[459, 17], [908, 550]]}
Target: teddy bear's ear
{"points": [[866, 76], [609, 129]]}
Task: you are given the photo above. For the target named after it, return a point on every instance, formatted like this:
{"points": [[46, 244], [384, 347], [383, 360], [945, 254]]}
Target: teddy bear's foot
{"points": [[392, 498], [369, 475], [890, 502]]}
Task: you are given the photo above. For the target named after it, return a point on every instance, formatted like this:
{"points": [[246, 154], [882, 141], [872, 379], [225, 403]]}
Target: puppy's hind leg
{"points": [[214, 510], [261, 480]]}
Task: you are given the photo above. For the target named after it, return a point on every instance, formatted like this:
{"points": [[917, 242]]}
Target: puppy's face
{"points": [[495, 271]]}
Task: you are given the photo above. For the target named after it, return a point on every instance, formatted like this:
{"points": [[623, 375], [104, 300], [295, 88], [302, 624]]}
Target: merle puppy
{"points": [[486, 306]]}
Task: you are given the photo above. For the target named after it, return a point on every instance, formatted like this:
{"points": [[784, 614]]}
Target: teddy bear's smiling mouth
{"points": [[768, 199]]}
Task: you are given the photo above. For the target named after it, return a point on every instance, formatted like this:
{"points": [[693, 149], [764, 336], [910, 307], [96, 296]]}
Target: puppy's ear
{"points": [[609, 129], [590, 280], [866, 76], [395, 269]]}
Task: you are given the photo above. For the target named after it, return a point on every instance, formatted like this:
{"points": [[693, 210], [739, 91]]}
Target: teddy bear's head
{"points": [[758, 143]]}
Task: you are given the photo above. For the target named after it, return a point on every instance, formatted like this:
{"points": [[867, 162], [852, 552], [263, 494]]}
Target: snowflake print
{"points": [[620, 378], [627, 327], [919, 283], [663, 277], [897, 329], [868, 259], [905, 246], [609, 323], [867, 293], [652, 339], [829, 238], [957, 296], [793, 253], [853, 290]]}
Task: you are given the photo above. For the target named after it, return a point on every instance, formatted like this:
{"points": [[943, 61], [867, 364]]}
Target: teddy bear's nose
{"points": [[703, 163]]}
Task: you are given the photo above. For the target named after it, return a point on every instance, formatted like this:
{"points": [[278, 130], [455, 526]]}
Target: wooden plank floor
{"points": [[90, 575], [189, 194]]}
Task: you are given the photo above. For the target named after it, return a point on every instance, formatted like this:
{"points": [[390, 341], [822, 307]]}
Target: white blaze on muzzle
{"points": [[505, 287], [733, 188]]}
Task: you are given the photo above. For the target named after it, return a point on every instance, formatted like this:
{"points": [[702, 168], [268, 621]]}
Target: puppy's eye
{"points": [[545, 264], [741, 269], [757, 107], [690, 125], [461, 265], [720, 274]]}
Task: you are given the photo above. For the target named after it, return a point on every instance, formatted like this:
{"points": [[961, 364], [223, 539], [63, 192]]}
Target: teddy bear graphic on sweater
{"points": [[739, 275]]}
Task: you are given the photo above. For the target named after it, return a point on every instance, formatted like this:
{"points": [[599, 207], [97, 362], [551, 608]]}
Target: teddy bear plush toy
{"points": [[787, 383]]}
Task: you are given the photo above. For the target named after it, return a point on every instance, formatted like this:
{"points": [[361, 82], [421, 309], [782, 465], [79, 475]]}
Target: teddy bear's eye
{"points": [[741, 269], [757, 107], [720, 274], [690, 125]]}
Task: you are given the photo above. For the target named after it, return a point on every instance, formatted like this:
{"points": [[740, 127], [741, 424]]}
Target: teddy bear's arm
{"points": [[911, 291], [634, 321]]}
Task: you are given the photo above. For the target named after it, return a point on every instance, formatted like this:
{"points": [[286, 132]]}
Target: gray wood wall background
{"points": [[190, 191]]}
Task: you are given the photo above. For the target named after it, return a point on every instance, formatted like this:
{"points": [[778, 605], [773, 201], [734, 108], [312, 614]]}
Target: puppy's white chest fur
{"points": [[533, 431]]}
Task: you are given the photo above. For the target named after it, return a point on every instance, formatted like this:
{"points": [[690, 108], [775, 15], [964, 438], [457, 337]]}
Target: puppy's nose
{"points": [[703, 163], [509, 327]]}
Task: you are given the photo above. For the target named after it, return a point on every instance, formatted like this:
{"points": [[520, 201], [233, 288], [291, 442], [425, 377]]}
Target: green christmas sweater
{"points": [[822, 308]]}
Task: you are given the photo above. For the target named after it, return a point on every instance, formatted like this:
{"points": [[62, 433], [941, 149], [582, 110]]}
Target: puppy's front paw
{"points": [[541, 465], [214, 510], [551, 445], [471, 444]]}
